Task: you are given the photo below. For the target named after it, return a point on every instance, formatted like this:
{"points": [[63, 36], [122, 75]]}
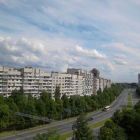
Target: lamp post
{"points": [[73, 128]]}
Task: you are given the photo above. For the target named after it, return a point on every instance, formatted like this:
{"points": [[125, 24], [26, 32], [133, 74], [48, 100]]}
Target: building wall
{"points": [[139, 80], [34, 81]]}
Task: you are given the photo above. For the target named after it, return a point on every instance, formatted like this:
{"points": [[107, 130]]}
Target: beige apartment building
{"points": [[34, 81], [87, 80]]}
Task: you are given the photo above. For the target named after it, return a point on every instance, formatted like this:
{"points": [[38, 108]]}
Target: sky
{"points": [[86, 34]]}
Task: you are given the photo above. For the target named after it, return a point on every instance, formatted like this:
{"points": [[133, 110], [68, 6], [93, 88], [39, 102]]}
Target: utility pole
{"points": [[73, 128]]}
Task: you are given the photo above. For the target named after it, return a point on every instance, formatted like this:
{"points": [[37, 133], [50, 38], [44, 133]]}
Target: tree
{"points": [[59, 107], [52, 109], [83, 131], [40, 108], [118, 132], [106, 134], [30, 109], [2, 100], [16, 93], [73, 106], [117, 117], [30, 97], [50, 135], [57, 92], [99, 91], [46, 97], [5, 116], [66, 103]]}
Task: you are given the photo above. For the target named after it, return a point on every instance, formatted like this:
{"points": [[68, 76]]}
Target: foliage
{"points": [[81, 126], [138, 91], [50, 135], [124, 125], [47, 107], [57, 93]]}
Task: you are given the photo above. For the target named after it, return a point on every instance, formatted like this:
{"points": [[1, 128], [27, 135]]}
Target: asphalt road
{"points": [[134, 97], [119, 103]]}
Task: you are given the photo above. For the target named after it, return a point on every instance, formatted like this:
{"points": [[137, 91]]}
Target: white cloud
{"points": [[120, 61], [34, 46], [131, 50], [120, 55], [64, 68], [92, 53]]}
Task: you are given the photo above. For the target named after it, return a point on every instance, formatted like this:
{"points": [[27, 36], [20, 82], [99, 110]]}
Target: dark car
{"points": [[90, 119]]}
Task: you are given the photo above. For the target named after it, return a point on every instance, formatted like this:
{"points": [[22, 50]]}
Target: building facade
{"points": [[34, 81], [139, 80]]}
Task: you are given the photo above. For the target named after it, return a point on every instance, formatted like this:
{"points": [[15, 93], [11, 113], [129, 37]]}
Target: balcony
{"points": [[41, 81], [5, 78], [33, 91], [18, 84], [18, 77], [26, 87]]}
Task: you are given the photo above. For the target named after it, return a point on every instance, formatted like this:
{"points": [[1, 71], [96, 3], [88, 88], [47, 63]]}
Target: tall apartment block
{"points": [[34, 81], [87, 79], [139, 80]]}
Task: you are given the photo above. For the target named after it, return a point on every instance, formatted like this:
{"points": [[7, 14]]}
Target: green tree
{"points": [[106, 134], [83, 131], [30, 109], [16, 93], [46, 97], [66, 103], [73, 106], [50, 135], [30, 97], [59, 107], [5, 116], [40, 108], [57, 92], [2, 100], [52, 109], [99, 91], [118, 132]]}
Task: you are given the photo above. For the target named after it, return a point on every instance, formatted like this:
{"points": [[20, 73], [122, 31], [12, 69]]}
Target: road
{"points": [[119, 103], [135, 98]]}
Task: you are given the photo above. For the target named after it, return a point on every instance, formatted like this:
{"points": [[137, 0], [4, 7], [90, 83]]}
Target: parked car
{"points": [[90, 119]]}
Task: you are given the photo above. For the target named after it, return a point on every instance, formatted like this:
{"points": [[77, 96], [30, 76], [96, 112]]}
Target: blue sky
{"points": [[83, 34]]}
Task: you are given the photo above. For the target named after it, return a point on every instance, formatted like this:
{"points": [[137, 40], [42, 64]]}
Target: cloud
{"points": [[121, 46], [120, 55], [33, 46], [88, 53], [120, 61], [45, 33]]}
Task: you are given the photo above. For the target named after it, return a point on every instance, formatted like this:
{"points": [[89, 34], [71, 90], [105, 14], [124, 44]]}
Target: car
{"points": [[90, 119]]}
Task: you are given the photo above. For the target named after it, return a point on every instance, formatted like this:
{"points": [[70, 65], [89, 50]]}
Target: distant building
{"points": [[139, 80]]}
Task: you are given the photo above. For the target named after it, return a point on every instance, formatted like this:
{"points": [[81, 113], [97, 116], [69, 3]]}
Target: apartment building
{"points": [[108, 83], [34, 81], [87, 80], [139, 80], [69, 84], [101, 83]]}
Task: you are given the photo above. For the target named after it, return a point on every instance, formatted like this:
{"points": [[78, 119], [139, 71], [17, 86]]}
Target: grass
{"points": [[66, 135], [98, 124], [129, 103]]}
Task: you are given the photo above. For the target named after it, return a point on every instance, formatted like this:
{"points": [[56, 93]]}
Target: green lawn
{"points": [[129, 103]]}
